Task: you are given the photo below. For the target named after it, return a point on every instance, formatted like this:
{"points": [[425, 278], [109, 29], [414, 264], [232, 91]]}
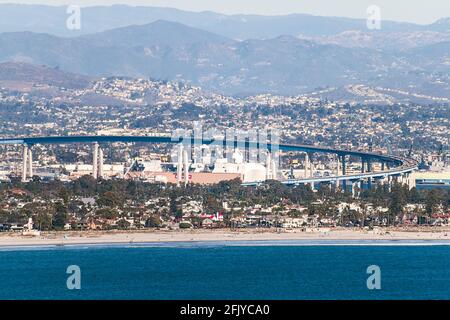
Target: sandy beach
{"points": [[223, 235]]}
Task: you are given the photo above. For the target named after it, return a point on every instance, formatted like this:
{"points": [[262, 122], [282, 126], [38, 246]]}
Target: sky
{"points": [[416, 11]]}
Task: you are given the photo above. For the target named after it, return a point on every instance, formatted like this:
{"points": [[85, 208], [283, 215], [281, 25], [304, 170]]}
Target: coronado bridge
{"points": [[393, 167]]}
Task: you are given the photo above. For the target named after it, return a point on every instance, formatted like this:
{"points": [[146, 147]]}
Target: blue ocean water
{"points": [[264, 270]]}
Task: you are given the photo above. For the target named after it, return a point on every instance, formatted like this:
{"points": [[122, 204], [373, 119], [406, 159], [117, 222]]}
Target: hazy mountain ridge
{"points": [[282, 65], [52, 20], [288, 54]]}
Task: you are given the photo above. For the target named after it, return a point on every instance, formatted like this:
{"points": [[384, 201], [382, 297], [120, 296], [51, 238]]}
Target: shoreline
{"points": [[337, 236]]}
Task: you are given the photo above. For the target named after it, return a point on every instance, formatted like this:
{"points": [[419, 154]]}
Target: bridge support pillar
{"points": [[186, 167], [389, 183], [269, 166], [306, 166], [408, 179], [344, 164], [311, 165], [95, 161], [25, 163], [273, 166], [401, 179], [100, 163], [411, 180], [338, 166], [336, 185], [30, 163], [180, 165]]}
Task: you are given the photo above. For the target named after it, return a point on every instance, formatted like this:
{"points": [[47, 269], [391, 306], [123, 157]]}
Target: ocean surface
{"points": [[220, 270]]}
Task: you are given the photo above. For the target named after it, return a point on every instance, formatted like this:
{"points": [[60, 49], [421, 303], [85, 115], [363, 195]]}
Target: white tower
{"points": [[30, 163], [311, 168], [269, 166], [100, 163], [95, 161], [180, 165], [338, 166], [306, 165], [274, 169], [186, 167], [25, 163]]}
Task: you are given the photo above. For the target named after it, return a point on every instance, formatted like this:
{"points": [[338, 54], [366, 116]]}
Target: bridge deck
{"points": [[403, 165]]}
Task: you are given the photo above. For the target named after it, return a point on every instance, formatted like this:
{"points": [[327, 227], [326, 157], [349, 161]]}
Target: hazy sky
{"points": [[418, 11]]}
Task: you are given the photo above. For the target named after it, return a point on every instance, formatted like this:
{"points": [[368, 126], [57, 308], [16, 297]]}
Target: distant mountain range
{"points": [[52, 20], [306, 53]]}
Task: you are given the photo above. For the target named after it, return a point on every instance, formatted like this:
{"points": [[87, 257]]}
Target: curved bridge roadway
{"points": [[400, 165]]}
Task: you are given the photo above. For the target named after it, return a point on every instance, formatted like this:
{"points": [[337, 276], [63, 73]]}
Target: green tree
{"points": [[123, 224], [432, 201], [60, 218], [153, 221]]}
